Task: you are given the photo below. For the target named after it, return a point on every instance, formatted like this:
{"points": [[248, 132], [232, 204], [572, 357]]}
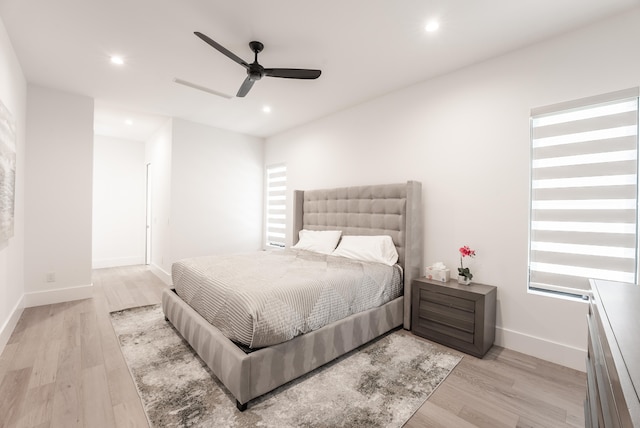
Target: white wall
{"points": [[465, 136], [207, 187], [119, 202], [216, 191], [13, 94], [58, 201]]}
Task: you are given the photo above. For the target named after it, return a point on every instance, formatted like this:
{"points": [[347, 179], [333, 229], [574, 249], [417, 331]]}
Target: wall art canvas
{"points": [[7, 172]]}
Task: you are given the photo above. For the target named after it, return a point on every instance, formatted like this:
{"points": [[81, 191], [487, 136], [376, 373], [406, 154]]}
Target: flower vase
{"points": [[464, 280]]}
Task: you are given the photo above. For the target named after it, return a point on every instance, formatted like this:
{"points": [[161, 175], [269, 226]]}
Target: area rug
{"points": [[380, 384]]}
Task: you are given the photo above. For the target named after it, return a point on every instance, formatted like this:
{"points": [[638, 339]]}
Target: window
{"points": [[276, 209], [584, 193]]}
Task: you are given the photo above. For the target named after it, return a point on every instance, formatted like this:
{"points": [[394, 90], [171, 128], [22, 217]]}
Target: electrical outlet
{"points": [[51, 277]]}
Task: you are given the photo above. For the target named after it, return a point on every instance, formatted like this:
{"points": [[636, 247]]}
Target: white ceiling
{"points": [[365, 48]]}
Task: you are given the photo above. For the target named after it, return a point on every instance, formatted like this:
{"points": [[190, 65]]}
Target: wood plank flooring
{"points": [[62, 367]]}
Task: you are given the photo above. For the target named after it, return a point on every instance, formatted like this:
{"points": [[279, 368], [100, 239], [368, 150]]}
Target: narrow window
{"points": [[276, 209], [584, 187]]}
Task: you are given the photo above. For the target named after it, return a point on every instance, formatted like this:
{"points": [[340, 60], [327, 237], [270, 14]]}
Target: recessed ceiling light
{"points": [[266, 109], [128, 122], [117, 60], [432, 26]]}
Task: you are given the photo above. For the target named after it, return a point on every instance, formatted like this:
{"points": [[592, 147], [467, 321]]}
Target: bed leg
{"points": [[241, 407]]}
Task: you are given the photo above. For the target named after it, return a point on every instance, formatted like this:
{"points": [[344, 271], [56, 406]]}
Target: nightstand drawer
{"points": [[427, 328], [447, 300], [448, 316]]}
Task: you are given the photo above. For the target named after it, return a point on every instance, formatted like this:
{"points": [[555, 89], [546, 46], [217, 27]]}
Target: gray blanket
{"points": [[268, 297]]}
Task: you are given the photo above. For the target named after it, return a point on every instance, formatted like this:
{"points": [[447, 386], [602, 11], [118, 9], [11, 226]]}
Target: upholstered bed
{"points": [[393, 210]]}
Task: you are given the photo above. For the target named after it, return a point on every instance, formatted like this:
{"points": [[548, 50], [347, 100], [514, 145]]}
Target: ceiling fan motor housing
{"points": [[255, 71]]}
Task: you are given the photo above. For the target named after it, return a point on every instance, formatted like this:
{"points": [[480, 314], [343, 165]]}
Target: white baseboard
{"points": [[49, 297], [115, 262], [160, 273], [10, 324], [558, 353]]}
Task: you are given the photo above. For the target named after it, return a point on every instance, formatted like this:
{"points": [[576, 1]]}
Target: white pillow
{"points": [[378, 249], [320, 241]]}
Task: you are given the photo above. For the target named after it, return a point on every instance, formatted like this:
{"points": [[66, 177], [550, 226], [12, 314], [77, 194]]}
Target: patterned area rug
{"points": [[380, 384]]}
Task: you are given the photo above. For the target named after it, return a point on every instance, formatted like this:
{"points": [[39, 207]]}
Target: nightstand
{"points": [[462, 317]]}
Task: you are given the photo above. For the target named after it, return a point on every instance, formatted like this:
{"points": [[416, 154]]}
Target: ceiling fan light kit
{"points": [[255, 71]]}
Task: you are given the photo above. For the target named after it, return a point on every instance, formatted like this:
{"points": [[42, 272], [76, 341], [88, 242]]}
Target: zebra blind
{"points": [[584, 187], [276, 209]]}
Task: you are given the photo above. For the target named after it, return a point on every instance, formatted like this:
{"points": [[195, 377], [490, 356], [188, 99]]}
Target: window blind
{"points": [[584, 193], [276, 209]]}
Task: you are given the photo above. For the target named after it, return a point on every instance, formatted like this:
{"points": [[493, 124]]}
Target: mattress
{"points": [[268, 297]]}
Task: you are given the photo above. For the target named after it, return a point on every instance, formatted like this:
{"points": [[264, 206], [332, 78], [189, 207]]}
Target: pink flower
{"points": [[466, 251]]}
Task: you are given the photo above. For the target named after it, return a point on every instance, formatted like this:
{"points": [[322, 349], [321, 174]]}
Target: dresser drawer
{"points": [[600, 375]]}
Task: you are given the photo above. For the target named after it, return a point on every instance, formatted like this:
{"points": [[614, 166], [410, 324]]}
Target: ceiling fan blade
{"points": [[222, 49], [246, 86], [292, 73], [202, 88]]}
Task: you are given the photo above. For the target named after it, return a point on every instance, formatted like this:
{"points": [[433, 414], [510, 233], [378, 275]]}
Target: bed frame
{"points": [[393, 209]]}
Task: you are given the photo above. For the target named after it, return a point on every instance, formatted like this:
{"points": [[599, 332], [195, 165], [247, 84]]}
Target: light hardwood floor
{"points": [[63, 367]]}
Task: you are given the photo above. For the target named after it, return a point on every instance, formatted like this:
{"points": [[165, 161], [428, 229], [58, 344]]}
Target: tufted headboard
{"points": [[389, 209]]}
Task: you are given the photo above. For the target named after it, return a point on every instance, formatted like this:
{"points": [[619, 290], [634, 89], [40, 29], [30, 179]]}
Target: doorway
{"points": [[147, 250]]}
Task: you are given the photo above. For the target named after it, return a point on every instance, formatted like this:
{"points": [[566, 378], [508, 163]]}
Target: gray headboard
{"points": [[388, 209]]}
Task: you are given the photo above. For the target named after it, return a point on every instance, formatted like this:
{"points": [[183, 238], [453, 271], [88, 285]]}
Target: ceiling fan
{"points": [[254, 70]]}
